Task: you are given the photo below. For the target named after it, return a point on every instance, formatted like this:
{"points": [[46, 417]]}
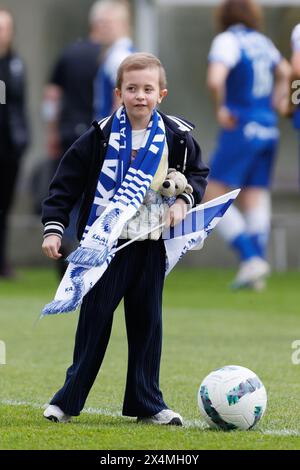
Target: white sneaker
{"points": [[259, 285], [54, 413], [250, 272], [167, 416]]}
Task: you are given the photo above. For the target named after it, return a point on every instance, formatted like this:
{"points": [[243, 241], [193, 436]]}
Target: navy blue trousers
{"points": [[136, 274]]}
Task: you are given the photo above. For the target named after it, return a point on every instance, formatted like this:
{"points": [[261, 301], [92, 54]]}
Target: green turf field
{"points": [[205, 327]]}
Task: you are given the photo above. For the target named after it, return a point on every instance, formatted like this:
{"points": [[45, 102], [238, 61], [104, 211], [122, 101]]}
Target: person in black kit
{"points": [[13, 129], [68, 103]]}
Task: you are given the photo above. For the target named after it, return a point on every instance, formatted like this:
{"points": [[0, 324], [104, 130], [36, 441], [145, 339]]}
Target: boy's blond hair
{"points": [[141, 61]]}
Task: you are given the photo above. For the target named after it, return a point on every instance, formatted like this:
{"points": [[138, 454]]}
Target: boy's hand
{"points": [[51, 246], [176, 213]]}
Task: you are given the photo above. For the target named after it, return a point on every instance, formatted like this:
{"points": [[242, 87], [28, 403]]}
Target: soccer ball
{"points": [[232, 397]]}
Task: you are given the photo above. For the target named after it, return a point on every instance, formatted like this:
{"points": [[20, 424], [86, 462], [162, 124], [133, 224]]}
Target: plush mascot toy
{"points": [[175, 184]]}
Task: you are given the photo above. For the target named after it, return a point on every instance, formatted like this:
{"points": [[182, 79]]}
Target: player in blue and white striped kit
{"points": [[248, 79]]}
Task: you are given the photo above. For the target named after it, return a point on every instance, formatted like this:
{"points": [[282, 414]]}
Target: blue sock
{"points": [[260, 241], [245, 246]]}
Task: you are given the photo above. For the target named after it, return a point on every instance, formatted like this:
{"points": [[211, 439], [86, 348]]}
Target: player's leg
{"points": [[256, 200], [254, 269], [256, 205], [232, 227], [215, 189], [229, 166]]}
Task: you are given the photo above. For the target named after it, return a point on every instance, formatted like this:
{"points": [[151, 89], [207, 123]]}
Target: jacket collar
{"points": [[177, 124]]}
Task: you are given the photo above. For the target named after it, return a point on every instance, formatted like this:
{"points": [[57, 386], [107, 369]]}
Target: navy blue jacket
{"points": [[79, 169]]}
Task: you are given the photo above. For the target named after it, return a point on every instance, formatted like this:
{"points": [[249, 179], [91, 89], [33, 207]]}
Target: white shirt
{"points": [[137, 138], [225, 49]]}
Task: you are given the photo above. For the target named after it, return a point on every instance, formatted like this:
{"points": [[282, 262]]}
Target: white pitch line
{"points": [[187, 423], [20, 403], [281, 432], [91, 411]]}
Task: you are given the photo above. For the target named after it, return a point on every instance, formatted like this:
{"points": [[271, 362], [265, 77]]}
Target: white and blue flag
{"points": [[188, 235], [197, 225]]}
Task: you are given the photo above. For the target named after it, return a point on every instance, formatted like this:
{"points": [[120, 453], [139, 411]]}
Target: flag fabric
{"points": [[197, 225]]}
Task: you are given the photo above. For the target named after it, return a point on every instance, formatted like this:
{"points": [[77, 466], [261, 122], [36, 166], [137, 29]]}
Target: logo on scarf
{"points": [[110, 219]]}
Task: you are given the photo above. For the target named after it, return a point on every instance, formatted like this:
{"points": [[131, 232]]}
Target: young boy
{"points": [[136, 273]]}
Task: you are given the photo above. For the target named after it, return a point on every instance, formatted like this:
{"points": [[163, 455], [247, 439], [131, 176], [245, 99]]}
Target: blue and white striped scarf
{"points": [[122, 187]]}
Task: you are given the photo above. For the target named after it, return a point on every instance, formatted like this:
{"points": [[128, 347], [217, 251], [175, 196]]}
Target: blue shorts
{"points": [[245, 156]]}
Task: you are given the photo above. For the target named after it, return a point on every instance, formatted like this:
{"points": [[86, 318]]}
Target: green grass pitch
{"points": [[206, 326]]}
